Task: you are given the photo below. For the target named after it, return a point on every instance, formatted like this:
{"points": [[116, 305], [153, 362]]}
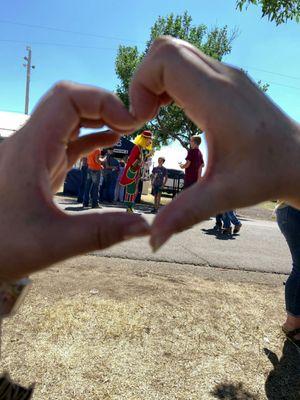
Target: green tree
{"points": [[171, 123], [279, 11]]}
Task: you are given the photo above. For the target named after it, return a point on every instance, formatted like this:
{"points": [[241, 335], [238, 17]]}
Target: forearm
{"points": [[200, 172], [185, 165]]}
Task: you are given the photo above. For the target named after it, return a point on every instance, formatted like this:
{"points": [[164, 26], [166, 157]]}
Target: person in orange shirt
{"points": [[93, 179]]}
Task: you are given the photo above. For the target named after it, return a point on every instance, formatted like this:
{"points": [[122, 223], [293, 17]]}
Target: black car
{"points": [[174, 183]]}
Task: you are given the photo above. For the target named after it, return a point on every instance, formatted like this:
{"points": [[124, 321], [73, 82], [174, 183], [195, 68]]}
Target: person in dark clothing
{"points": [[158, 180], [229, 217], [110, 177], [120, 190], [224, 221], [194, 163], [83, 177], [219, 223]]}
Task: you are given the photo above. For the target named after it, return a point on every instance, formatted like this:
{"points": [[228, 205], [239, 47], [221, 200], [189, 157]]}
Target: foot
{"points": [[218, 228], [237, 228], [96, 206], [227, 231], [292, 333], [129, 210]]}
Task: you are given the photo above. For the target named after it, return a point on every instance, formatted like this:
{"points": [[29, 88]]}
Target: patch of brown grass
{"points": [[149, 199], [161, 339]]}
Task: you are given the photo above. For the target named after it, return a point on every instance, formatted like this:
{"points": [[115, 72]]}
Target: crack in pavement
{"points": [[207, 265]]}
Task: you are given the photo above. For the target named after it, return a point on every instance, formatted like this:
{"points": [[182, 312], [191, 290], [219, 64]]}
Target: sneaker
{"points": [[237, 228], [96, 206], [129, 210], [227, 231], [218, 228]]}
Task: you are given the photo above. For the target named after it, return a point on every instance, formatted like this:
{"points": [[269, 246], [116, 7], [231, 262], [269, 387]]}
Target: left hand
{"points": [[34, 232]]}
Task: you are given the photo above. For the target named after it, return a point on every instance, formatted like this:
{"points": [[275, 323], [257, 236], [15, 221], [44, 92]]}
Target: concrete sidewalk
{"points": [[259, 246]]}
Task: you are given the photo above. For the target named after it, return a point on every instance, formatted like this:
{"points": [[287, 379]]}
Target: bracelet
{"points": [[12, 391], [12, 295]]}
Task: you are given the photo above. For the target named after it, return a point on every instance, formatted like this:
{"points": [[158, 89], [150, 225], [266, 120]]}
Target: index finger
{"points": [[69, 106], [175, 69]]}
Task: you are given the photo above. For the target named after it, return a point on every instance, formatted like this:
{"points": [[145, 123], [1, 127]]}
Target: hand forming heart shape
{"points": [[251, 143], [252, 148]]}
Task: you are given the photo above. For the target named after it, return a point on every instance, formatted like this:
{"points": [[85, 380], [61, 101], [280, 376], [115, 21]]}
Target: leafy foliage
{"points": [[279, 11], [171, 123]]}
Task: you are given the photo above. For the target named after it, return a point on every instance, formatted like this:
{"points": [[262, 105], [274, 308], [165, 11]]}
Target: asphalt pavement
{"points": [[259, 246]]}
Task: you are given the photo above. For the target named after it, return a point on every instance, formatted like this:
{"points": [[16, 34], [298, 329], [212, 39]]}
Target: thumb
{"points": [[193, 205], [72, 235]]}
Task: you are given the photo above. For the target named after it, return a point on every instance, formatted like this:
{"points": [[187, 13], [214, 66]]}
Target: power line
{"points": [[115, 49], [9, 110], [50, 28], [287, 86], [274, 73], [102, 37], [7, 129], [57, 44]]}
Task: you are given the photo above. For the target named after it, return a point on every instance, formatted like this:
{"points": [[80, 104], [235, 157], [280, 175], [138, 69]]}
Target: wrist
{"points": [[12, 295]]}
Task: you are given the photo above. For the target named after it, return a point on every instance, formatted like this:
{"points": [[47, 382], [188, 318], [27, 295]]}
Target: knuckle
{"points": [[165, 45], [62, 88], [237, 74]]}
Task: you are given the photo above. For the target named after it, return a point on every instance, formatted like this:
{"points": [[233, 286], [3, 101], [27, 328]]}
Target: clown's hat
{"points": [[147, 134]]}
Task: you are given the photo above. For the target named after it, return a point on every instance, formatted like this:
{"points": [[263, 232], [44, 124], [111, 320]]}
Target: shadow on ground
{"points": [[231, 391], [72, 205], [282, 383], [218, 234]]}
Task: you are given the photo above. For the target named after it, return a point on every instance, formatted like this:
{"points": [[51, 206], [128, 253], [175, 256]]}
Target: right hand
{"points": [[253, 146]]}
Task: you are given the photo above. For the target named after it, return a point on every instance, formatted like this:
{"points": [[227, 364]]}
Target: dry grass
{"points": [[268, 205], [149, 199], [114, 333]]}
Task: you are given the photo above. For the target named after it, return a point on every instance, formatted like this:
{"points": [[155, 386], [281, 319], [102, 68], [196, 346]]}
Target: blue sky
{"points": [[268, 52]]}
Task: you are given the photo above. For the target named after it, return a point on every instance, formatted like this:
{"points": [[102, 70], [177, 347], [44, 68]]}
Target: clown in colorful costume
{"points": [[132, 173]]}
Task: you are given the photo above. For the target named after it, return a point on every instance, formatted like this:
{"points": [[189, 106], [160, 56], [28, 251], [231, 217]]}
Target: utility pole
{"points": [[28, 67]]}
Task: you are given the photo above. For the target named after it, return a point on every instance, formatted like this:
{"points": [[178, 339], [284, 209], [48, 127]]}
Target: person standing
{"points": [[288, 220], [93, 179], [229, 217], [132, 173], [158, 180], [83, 176], [110, 176], [120, 190], [194, 163], [219, 223]]}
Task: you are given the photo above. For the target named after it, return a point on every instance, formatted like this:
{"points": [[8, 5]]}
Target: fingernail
{"points": [[140, 228], [156, 242], [132, 110]]}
